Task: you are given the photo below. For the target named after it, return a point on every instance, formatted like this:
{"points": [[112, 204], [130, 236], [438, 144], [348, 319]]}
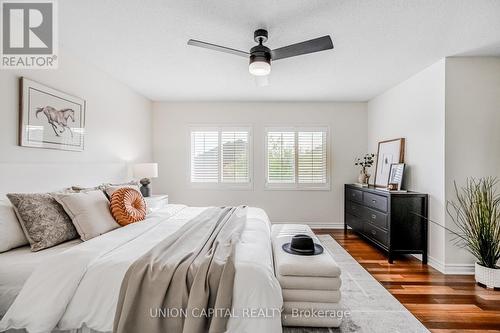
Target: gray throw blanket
{"points": [[185, 283]]}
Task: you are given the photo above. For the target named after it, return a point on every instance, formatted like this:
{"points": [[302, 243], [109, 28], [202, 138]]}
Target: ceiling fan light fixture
{"points": [[261, 56], [260, 61], [260, 67]]}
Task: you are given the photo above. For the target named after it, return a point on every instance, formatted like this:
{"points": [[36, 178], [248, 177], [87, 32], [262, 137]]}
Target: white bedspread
{"points": [[17, 265], [79, 287]]}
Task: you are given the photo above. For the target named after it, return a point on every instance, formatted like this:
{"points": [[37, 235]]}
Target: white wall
{"points": [[414, 109], [472, 130], [347, 123], [118, 120]]}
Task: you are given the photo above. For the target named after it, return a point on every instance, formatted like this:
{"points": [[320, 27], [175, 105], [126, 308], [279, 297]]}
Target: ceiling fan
{"points": [[260, 56]]}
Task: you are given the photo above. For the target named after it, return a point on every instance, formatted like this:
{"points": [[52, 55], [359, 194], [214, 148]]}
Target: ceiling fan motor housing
{"points": [[260, 35], [260, 53]]}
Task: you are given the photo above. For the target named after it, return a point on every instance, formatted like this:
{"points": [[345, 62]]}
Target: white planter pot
{"points": [[490, 277]]}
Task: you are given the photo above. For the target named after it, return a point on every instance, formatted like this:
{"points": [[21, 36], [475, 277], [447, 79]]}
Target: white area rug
{"points": [[368, 306]]}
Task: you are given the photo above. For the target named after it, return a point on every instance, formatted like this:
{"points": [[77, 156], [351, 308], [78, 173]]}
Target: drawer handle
{"points": [[353, 195], [374, 232], [374, 201], [374, 216]]}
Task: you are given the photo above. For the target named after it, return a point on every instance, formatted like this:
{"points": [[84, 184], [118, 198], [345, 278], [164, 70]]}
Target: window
{"points": [[220, 155], [297, 158], [234, 159], [281, 157], [204, 156]]}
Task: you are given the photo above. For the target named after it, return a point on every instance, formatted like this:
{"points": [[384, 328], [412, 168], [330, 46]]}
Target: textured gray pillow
{"points": [[78, 189], [44, 221]]}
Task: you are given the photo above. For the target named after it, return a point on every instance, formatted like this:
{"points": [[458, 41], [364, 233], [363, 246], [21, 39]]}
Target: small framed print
{"points": [[50, 118], [396, 175]]}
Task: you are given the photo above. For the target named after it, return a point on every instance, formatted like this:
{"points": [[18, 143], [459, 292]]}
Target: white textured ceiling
{"points": [[378, 44]]}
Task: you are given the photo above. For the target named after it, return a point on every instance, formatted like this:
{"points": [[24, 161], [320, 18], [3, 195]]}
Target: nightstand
{"points": [[156, 202]]}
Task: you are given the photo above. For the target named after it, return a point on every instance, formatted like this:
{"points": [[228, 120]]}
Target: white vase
{"points": [[490, 277]]}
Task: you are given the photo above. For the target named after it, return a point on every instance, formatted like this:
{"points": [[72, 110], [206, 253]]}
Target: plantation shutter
{"points": [[312, 163], [281, 157], [204, 156], [235, 157]]}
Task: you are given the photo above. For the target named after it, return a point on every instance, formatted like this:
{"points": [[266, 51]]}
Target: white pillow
{"points": [[110, 189], [11, 233], [89, 212]]}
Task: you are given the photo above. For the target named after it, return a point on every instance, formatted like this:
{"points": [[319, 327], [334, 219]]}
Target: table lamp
{"points": [[144, 172]]}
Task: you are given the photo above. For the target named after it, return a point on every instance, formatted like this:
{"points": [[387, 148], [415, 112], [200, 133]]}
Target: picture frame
{"points": [[396, 175], [50, 118], [388, 153]]}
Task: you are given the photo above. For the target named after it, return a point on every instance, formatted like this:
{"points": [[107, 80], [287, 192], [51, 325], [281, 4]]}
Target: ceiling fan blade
{"points": [[194, 42], [310, 46]]}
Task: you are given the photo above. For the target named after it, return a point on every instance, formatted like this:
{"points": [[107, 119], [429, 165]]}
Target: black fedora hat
{"points": [[303, 245]]}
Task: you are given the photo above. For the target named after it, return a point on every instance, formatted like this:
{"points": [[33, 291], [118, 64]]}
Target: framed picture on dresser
{"points": [[396, 176], [388, 153]]}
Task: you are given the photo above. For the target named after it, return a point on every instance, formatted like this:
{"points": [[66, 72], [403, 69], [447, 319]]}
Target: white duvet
{"points": [[79, 288]]}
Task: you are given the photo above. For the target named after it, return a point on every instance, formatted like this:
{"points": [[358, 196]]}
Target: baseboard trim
{"points": [[451, 269], [460, 269], [436, 264], [317, 225]]}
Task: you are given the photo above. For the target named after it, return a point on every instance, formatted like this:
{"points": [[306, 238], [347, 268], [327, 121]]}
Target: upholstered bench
{"points": [[310, 283]]}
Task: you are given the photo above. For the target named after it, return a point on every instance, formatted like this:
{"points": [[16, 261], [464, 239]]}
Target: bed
{"points": [[75, 285]]}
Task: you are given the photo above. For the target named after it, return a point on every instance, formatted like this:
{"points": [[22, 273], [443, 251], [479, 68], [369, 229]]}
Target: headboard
{"points": [[35, 177]]}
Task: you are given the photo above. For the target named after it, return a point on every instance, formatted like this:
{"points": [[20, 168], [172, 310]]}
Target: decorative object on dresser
{"points": [[50, 118], [144, 172], [396, 177], [476, 213], [155, 202], [364, 163], [389, 152], [394, 221]]}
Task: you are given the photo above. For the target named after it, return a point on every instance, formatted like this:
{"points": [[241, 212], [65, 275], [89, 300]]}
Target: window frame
{"points": [[296, 186], [219, 185]]}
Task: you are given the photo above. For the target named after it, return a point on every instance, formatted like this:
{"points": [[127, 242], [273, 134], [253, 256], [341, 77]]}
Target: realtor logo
{"points": [[29, 38]]}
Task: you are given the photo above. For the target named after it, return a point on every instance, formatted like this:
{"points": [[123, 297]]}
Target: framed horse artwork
{"points": [[50, 118]]}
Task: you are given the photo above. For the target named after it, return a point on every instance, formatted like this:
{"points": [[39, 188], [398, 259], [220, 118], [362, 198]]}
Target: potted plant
{"points": [[476, 213], [364, 162]]}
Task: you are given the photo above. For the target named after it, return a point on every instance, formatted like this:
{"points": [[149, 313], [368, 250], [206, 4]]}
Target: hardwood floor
{"points": [[443, 303]]}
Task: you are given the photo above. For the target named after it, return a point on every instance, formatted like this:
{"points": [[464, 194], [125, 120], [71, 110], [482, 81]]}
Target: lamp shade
{"points": [[145, 170], [259, 68]]}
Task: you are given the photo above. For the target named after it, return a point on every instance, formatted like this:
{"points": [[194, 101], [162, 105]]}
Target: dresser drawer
{"points": [[376, 234], [375, 217], [356, 209], [375, 201], [356, 223], [354, 195]]}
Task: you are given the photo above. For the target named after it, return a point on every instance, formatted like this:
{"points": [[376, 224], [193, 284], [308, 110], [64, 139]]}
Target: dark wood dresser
{"points": [[394, 221]]}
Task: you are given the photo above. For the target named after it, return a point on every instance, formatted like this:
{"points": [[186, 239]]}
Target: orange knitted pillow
{"points": [[127, 206]]}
